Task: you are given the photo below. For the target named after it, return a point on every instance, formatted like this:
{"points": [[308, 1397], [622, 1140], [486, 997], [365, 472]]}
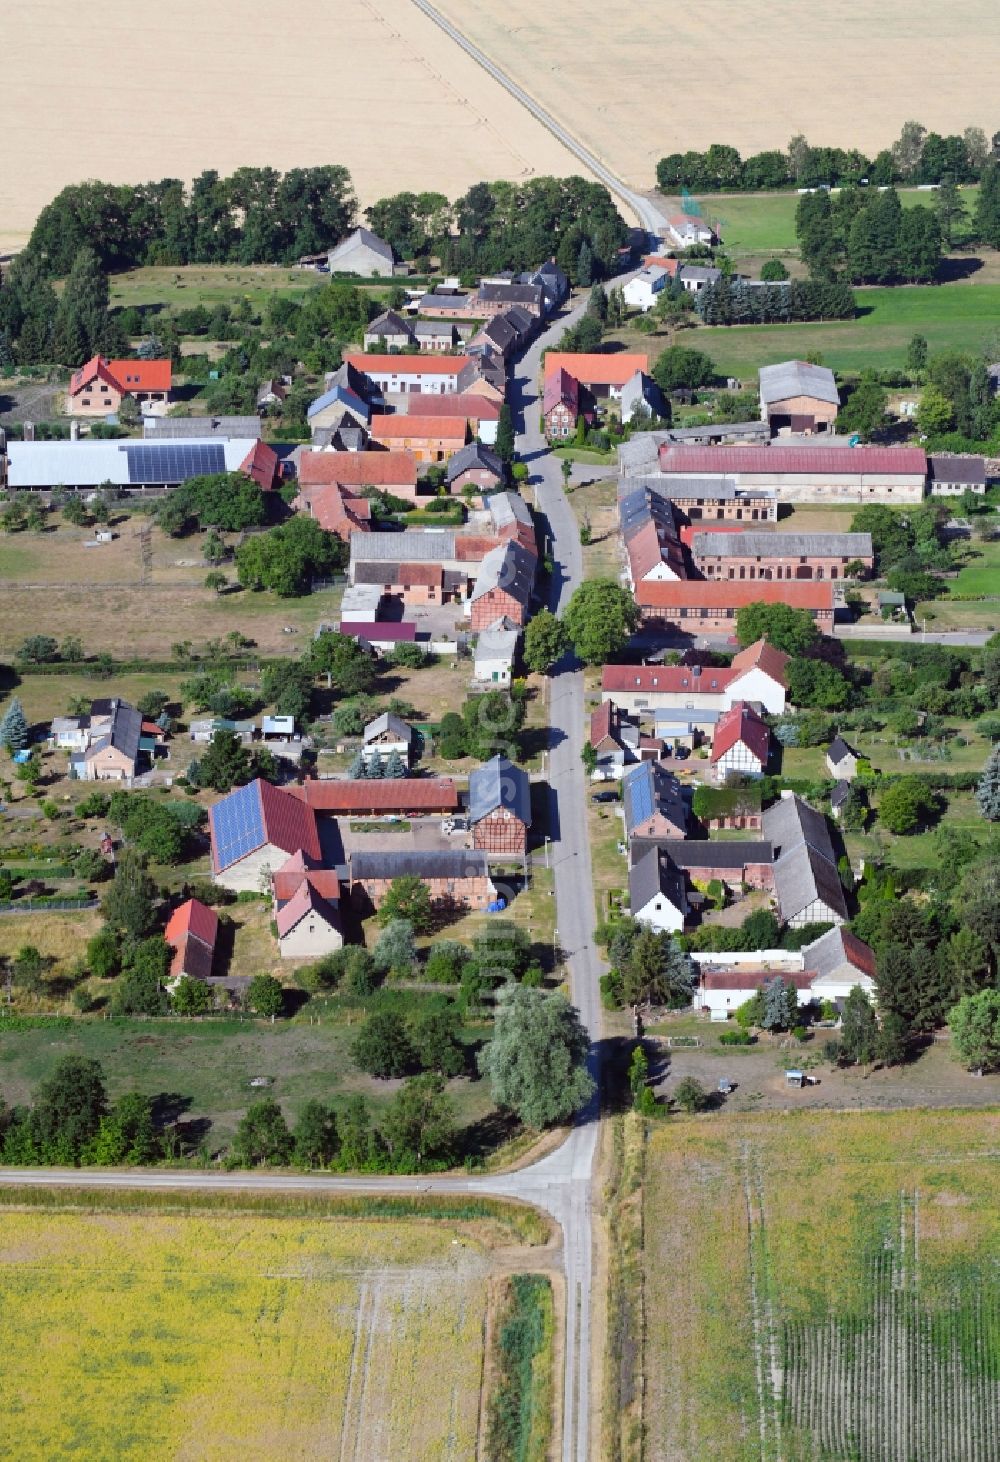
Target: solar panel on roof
{"points": [[174, 461], [237, 825], [639, 794]]}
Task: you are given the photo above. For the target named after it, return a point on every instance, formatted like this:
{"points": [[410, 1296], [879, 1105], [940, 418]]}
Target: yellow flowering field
{"points": [[148, 1335], [823, 1285]]}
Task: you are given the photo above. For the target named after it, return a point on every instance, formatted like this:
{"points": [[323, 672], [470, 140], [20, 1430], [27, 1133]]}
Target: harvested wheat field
{"points": [[370, 84], [209, 1335], [634, 83], [823, 1286]]}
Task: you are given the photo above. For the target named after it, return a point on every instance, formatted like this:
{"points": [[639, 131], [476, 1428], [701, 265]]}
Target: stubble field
{"points": [[823, 1286], [150, 1334]]}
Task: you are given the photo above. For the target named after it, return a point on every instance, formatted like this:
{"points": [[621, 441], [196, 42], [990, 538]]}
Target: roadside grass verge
{"points": [[519, 1418]]}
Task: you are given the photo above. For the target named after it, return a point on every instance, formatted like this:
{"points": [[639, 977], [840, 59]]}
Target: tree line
{"points": [[868, 238], [732, 301], [918, 156]]}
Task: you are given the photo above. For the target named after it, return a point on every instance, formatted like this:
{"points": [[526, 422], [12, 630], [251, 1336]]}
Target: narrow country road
{"points": [[646, 213], [561, 1183]]}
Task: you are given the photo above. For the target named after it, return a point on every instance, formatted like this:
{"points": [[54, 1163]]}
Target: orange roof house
{"points": [[429, 438], [98, 387], [261, 466], [394, 470], [602, 375], [192, 931], [335, 508]]}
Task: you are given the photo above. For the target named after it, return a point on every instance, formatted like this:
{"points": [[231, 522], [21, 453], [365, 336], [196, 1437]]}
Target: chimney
{"points": [[695, 670], [74, 431], [29, 431]]}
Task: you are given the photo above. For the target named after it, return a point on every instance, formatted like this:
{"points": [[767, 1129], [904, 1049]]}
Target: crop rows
{"points": [[899, 1382]]}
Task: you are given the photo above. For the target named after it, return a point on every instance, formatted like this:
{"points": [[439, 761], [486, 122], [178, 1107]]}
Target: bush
{"points": [[735, 1038]]}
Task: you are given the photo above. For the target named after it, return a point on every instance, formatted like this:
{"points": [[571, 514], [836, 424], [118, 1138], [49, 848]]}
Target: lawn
{"points": [[981, 574], [155, 1334], [200, 1070], [184, 287], [764, 223], [822, 1284], [597, 503], [959, 316]]}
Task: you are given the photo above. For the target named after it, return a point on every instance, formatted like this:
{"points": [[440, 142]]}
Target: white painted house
{"points": [[493, 657], [741, 744], [641, 291], [827, 969], [656, 892]]}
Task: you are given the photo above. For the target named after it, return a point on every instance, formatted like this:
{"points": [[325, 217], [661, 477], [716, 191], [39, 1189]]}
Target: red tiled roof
{"points": [[288, 879], [358, 469], [600, 722], [462, 403], [395, 428], [305, 901], [779, 461], [734, 594], [261, 465], [762, 656], [142, 375], [645, 552], [428, 575], [662, 261], [409, 365], [741, 724], [404, 794], [754, 979], [672, 679], [858, 952], [96, 368], [613, 369], [335, 508], [194, 918], [473, 547], [287, 824], [560, 389]]}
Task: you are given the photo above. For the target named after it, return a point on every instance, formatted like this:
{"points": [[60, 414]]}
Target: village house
{"points": [[841, 760], [389, 331], [702, 501], [481, 413], [618, 742], [99, 386], [652, 543], [560, 404], [272, 392], [337, 406], [782, 555], [953, 476], [696, 277], [797, 397], [429, 438], [702, 606], [362, 253], [192, 932], [111, 744], [829, 968], [806, 880], [386, 734], [807, 474], [686, 229], [741, 744], [500, 808], [729, 809], [756, 675], [642, 400], [254, 829], [426, 375], [458, 879], [475, 467], [504, 586], [657, 897], [493, 297], [603, 376], [335, 508], [447, 302], [642, 289], [653, 803], [495, 652], [306, 900], [511, 518]]}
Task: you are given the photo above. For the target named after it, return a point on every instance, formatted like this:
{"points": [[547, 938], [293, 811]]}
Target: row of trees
{"points": [[733, 302], [37, 326], [918, 156]]}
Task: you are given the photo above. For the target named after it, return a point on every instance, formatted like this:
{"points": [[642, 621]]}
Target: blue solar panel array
{"points": [[238, 825], [174, 462], [639, 798]]}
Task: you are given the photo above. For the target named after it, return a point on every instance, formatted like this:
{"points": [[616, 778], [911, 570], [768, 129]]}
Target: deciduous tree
{"points": [[536, 1061]]}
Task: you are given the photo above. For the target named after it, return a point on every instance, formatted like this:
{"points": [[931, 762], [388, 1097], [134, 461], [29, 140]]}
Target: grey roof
{"points": [[410, 546], [641, 390], [475, 455], [513, 294], [718, 853], [500, 331], [126, 728], [956, 469], [382, 571], [389, 323], [522, 320], [497, 644], [718, 431], [640, 451], [500, 783], [839, 795], [791, 545], [441, 296], [365, 237], [705, 273], [700, 488], [391, 723], [790, 822], [431, 329], [509, 566], [802, 876], [508, 507], [831, 950], [347, 398], [158, 427], [839, 750], [797, 378], [419, 863], [654, 873]]}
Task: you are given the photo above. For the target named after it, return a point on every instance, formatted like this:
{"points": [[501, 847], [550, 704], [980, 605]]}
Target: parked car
{"points": [[726, 1087]]}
